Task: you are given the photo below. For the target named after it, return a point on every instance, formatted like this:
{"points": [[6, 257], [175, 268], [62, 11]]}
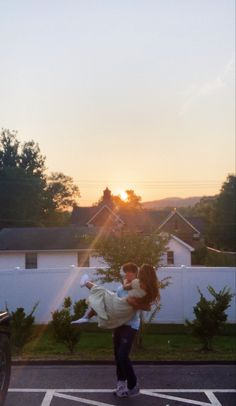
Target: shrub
{"points": [[210, 316], [21, 327], [79, 308], [62, 328]]}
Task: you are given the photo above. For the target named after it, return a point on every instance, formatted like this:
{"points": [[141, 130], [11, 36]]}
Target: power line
{"points": [[144, 183], [152, 181]]}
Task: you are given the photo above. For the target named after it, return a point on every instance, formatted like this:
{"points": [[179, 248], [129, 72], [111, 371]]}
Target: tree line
{"points": [[30, 197], [219, 215]]}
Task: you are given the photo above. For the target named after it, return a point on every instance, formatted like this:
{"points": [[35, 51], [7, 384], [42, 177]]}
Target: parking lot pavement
{"points": [[162, 385], [101, 397]]}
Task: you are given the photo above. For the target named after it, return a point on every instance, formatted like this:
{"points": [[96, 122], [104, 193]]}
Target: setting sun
{"points": [[123, 195]]}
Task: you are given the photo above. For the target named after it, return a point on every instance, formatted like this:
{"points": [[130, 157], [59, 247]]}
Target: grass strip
{"points": [[157, 345]]}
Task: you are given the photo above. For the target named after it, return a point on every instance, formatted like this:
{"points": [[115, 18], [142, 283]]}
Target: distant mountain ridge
{"points": [[172, 202]]}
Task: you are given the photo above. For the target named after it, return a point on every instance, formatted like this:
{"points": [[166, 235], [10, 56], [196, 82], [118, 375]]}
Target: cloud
{"points": [[195, 92], [230, 66]]}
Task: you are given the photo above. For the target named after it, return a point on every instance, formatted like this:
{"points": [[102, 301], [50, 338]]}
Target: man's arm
{"points": [[138, 304]]}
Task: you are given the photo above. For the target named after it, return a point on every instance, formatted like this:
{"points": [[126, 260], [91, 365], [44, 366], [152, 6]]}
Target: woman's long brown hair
{"points": [[148, 279]]}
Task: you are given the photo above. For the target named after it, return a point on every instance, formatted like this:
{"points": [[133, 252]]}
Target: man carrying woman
{"points": [[120, 312]]}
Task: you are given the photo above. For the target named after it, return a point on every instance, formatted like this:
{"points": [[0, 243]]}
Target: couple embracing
{"points": [[120, 311]]}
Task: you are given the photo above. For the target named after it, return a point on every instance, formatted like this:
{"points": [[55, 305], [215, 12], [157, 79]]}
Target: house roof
{"points": [[139, 220], [191, 249], [198, 223], [53, 238], [81, 215], [175, 212], [72, 237], [40, 239], [136, 220], [143, 220], [111, 212]]}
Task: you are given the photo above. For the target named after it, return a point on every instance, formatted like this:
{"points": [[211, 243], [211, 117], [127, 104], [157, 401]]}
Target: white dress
{"points": [[111, 310]]}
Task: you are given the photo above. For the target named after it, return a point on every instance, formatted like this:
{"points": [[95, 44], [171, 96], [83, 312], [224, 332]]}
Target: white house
{"points": [[53, 247], [178, 253], [63, 247]]}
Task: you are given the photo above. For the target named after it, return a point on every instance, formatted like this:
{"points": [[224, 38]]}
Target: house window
{"points": [[83, 258], [31, 260], [176, 225], [170, 258]]}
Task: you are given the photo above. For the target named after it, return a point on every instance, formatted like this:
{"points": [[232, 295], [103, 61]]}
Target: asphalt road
{"points": [[162, 385]]}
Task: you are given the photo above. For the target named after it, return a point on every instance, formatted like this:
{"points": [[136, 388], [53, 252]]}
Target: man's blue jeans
{"points": [[123, 338]]}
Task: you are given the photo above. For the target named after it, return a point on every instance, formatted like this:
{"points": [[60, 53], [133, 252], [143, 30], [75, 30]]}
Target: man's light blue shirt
{"points": [[134, 322]]}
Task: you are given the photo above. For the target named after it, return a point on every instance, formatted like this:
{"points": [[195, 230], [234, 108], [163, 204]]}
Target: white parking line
{"points": [[48, 397], [181, 399], [82, 400], [213, 399], [168, 394]]}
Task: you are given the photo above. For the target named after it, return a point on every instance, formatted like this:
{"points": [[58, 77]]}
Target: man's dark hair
{"points": [[130, 267]]}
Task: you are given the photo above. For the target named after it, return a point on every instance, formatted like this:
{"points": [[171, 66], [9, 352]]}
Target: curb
{"points": [[71, 362]]}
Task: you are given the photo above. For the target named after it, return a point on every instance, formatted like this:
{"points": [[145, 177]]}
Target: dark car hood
{"points": [[5, 322]]}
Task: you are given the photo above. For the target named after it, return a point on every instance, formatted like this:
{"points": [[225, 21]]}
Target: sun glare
{"points": [[123, 195]]}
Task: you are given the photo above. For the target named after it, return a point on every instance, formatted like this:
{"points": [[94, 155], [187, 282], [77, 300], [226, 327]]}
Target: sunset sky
{"points": [[129, 94]]}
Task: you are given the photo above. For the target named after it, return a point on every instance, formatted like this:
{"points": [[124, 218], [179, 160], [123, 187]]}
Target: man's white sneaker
{"points": [[80, 321], [135, 391], [121, 389], [84, 279], [121, 393]]}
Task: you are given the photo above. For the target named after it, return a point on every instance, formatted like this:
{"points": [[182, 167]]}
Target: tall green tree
{"points": [[9, 149], [31, 159], [129, 247], [62, 190], [27, 196], [61, 195], [22, 182], [219, 215], [21, 198], [223, 228]]}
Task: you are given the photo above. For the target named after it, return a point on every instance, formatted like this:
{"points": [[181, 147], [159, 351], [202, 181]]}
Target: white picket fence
{"points": [[49, 287]]}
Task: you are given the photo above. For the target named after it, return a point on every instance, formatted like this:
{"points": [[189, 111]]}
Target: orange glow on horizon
{"points": [[123, 195]]}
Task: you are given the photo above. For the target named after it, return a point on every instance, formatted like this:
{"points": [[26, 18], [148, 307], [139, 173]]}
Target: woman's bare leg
{"points": [[90, 312]]}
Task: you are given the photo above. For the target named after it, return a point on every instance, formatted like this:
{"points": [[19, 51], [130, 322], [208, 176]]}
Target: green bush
{"points": [[21, 327], [210, 316], [79, 308], [61, 325]]}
